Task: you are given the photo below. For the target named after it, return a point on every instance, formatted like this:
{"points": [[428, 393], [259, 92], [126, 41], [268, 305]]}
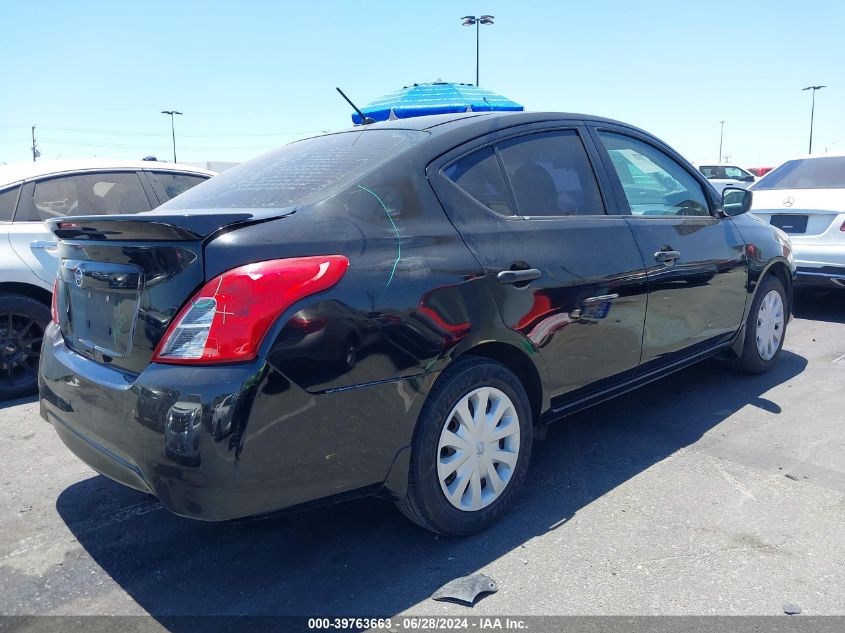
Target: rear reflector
{"points": [[54, 303], [229, 317]]}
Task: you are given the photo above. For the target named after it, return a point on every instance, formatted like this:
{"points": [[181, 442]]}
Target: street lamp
{"points": [[721, 136], [172, 129], [470, 20], [812, 112]]}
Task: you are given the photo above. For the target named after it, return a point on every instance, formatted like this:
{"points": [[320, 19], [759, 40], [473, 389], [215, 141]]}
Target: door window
{"points": [[551, 175], [736, 173], [85, 194], [172, 184], [479, 175], [8, 201], [709, 171], [654, 183]]}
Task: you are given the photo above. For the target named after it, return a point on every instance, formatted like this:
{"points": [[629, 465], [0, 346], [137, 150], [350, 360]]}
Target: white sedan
{"points": [[805, 197], [33, 192]]}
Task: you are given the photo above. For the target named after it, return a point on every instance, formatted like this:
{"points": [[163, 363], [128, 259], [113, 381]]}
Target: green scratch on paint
{"points": [[395, 229]]}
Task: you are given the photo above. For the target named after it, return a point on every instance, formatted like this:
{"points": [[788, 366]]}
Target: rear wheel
{"points": [[471, 449], [765, 328], [22, 323]]}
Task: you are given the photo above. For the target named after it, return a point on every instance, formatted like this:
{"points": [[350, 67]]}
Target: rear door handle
{"points": [[44, 245], [667, 257], [518, 276]]}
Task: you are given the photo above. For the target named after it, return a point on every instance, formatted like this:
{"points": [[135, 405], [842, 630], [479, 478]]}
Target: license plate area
{"points": [[790, 223], [98, 305]]}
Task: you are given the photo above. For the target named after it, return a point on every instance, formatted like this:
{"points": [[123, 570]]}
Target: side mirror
{"points": [[748, 178], [736, 201]]}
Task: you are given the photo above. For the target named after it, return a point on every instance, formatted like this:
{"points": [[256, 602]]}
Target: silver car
{"points": [[805, 197], [33, 192]]}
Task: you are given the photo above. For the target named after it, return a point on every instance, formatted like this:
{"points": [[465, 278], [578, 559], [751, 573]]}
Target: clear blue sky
{"points": [[250, 75]]}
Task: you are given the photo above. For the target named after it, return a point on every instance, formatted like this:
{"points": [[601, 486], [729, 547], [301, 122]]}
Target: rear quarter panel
{"points": [[412, 298]]}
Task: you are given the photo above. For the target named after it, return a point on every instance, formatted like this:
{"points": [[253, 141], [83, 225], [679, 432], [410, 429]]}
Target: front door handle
{"points": [[46, 245], [667, 257], [518, 276]]}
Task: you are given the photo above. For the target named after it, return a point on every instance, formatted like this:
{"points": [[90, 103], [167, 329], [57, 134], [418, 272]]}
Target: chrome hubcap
{"points": [[770, 321], [478, 449]]}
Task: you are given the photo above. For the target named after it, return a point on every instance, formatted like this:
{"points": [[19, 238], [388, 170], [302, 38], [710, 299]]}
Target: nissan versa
{"points": [[397, 310]]}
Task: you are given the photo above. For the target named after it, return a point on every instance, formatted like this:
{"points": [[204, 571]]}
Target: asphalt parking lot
{"points": [[705, 493]]}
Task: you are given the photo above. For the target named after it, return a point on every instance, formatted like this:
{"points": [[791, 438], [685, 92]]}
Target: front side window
{"points": [[736, 173], [654, 183], [171, 184], [807, 173], [479, 175], [84, 194], [8, 201], [551, 175]]}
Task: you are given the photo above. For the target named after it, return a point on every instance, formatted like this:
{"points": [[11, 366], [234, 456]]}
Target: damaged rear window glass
{"points": [[304, 170]]}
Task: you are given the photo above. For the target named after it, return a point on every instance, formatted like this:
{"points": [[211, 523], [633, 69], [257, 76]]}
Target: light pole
{"points": [[470, 20], [721, 137], [812, 112], [172, 129]]}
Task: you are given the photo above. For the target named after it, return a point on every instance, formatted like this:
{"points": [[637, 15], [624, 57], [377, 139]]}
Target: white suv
{"points": [[33, 192], [721, 175]]}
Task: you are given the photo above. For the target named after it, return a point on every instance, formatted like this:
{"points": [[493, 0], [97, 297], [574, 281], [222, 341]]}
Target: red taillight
{"points": [[842, 228], [54, 303], [228, 318]]}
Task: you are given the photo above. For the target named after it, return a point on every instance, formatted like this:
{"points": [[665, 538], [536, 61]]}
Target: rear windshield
{"points": [[302, 171], [806, 173]]}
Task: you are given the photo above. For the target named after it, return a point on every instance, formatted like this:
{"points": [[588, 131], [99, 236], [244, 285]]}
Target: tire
{"points": [[760, 358], [22, 323], [471, 381]]}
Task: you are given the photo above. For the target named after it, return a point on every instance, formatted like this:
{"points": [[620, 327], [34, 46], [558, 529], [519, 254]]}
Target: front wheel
{"points": [[765, 328], [471, 449]]}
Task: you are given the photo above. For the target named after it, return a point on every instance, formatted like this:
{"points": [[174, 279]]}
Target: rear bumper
{"points": [[820, 264], [223, 442], [822, 276]]}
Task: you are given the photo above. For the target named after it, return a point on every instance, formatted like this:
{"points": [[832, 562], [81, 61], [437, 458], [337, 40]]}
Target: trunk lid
{"points": [[122, 279], [799, 212]]}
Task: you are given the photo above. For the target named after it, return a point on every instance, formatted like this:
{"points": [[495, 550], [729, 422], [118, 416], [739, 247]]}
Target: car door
{"points": [[565, 274], [695, 260], [89, 193]]}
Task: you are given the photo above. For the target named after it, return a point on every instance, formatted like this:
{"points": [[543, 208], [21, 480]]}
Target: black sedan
{"points": [[398, 310]]}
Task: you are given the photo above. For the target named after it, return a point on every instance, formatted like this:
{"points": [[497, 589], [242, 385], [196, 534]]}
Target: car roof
{"points": [[814, 156], [437, 123], [17, 172]]}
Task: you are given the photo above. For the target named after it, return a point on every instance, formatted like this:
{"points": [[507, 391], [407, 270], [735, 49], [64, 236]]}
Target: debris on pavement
{"points": [[791, 609], [25, 509], [792, 477], [466, 589]]}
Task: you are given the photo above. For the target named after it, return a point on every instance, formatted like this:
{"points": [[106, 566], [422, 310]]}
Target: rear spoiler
{"points": [[154, 227]]}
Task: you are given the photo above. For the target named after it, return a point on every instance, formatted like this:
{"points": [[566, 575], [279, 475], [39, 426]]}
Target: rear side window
{"points": [[84, 194], [8, 201], [551, 175], [479, 175], [169, 184], [653, 182], [808, 173], [303, 171], [709, 171]]}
